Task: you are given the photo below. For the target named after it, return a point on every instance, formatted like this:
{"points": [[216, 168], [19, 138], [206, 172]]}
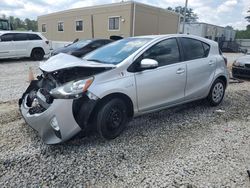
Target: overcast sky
{"points": [[219, 12]]}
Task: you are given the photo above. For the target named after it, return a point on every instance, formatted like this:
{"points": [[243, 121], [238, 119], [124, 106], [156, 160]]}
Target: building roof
{"points": [[111, 5], [192, 23]]}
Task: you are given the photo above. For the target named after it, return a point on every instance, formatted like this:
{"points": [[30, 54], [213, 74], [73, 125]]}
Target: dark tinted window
{"points": [[193, 49], [165, 52], [206, 48], [99, 43], [7, 37], [20, 36], [34, 37], [105, 42]]}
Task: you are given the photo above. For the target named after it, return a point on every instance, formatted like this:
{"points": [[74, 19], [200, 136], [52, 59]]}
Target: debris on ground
{"points": [[233, 80], [220, 111]]}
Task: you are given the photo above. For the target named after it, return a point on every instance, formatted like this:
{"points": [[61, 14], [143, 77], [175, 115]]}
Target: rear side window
{"points": [[34, 37], [194, 49], [206, 48], [20, 37], [7, 37]]}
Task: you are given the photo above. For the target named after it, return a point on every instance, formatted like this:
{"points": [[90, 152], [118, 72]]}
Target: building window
{"points": [[60, 26], [114, 23], [79, 25], [44, 28]]}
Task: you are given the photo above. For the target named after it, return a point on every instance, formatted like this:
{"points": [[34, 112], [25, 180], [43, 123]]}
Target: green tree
{"points": [[248, 17], [30, 24], [22, 25], [190, 15], [244, 34]]}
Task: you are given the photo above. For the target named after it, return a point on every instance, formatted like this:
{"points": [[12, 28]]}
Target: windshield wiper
{"points": [[96, 60]]}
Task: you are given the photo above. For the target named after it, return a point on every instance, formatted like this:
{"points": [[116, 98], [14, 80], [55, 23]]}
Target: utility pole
{"points": [[184, 21]]}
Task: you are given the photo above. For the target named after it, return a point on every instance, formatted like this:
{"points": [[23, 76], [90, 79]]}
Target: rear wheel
{"points": [[112, 118], [37, 54], [216, 93]]}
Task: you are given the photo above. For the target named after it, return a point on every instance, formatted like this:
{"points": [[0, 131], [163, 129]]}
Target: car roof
{"points": [[93, 39], [177, 35], [29, 32]]}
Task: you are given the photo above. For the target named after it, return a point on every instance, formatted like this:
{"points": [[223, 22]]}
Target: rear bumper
{"points": [[241, 72], [61, 109]]}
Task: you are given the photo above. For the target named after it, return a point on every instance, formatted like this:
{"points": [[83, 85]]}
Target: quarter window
{"points": [[34, 37], [79, 25], [60, 26], [114, 23], [165, 52], [206, 48], [44, 29], [194, 49]]}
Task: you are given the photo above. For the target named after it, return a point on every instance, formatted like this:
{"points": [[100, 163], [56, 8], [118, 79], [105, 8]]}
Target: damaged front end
{"points": [[58, 104]]}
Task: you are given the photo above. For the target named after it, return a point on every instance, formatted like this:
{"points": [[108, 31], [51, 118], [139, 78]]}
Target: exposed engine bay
{"points": [[38, 93]]}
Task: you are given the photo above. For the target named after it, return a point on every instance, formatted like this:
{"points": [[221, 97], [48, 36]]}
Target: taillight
{"points": [[225, 60], [47, 42]]}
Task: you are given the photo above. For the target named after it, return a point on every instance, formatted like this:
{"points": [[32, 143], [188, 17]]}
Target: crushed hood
{"points": [[63, 61]]}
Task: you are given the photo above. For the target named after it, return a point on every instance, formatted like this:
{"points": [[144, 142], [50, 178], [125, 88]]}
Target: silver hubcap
{"points": [[218, 92]]}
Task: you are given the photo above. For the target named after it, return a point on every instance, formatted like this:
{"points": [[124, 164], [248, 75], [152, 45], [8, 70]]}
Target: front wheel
{"points": [[216, 93], [112, 118]]}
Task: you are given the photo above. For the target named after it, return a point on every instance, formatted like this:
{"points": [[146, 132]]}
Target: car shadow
{"points": [[142, 125]]}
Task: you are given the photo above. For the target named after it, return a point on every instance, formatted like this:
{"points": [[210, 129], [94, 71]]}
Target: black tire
{"points": [[112, 118], [37, 54], [217, 92]]}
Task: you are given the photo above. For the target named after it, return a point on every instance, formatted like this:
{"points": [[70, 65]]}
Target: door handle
{"points": [[211, 62], [180, 71]]}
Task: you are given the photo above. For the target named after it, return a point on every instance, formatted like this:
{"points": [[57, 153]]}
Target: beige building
{"points": [[122, 19]]}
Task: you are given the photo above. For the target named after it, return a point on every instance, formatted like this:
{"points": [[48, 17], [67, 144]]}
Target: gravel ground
{"points": [[14, 76], [192, 145]]}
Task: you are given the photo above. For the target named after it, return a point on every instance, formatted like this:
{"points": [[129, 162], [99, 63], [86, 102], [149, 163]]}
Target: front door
{"points": [[7, 48], [164, 85]]}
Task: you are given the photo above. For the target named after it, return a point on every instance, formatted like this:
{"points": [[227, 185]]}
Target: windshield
{"points": [[80, 44], [116, 52]]}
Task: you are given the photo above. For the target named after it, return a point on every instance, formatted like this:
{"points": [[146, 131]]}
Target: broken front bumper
{"points": [[241, 72], [60, 112]]}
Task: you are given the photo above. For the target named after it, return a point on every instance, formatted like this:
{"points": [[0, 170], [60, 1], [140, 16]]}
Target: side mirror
{"points": [[148, 64]]}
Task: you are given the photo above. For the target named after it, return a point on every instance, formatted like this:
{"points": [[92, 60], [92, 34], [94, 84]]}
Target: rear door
{"points": [[7, 48], [21, 44], [200, 67], [165, 84]]}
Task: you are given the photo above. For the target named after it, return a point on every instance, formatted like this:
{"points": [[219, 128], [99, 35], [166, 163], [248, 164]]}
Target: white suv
{"points": [[16, 44]]}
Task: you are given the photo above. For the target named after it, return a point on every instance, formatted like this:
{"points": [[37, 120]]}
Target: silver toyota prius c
{"points": [[108, 87]]}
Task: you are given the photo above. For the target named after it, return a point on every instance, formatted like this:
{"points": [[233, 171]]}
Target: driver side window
{"points": [[165, 52], [7, 37]]}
